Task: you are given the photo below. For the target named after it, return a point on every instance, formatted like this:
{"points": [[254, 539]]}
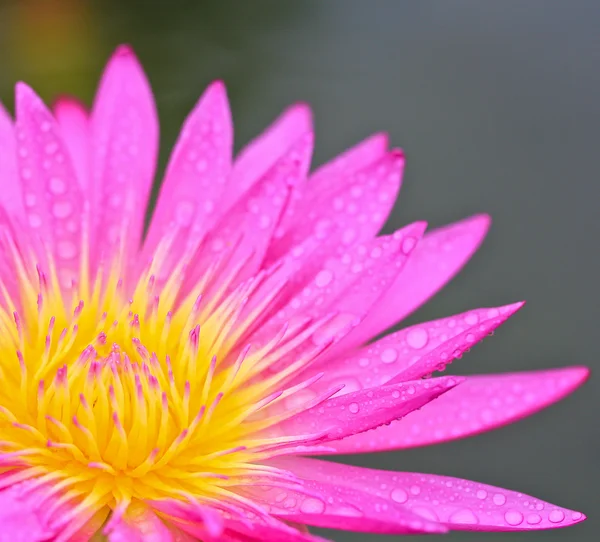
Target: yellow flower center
{"points": [[112, 394]]}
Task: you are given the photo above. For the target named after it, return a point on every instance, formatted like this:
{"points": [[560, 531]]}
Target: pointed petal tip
{"points": [[218, 85], [23, 90], [124, 55], [124, 50], [397, 153], [301, 113], [300, 107], [511, 308], [482, 220], [25, 99], [578, 373], [64, 101]]}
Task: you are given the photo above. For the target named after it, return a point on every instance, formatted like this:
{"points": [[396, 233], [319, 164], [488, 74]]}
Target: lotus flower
{"points": [[175, 385]]}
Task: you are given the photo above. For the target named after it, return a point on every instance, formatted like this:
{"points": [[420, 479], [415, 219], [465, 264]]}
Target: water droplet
{"points": [[464, 517], [353, 407], [534, 519], [34, 220], [184, 212], [66, 250], [348, 237], [311, 505], [62, 209], [417, 338], [556, 516], [57, 186], [323, 278], [471, 319], [264, 222], [415, 490], [389, 355], [513, 517], [481, 494], [399, 495], [499, 499], [281, 496], [30, 200]]}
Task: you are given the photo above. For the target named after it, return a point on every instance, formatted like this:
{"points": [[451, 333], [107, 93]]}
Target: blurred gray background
{"points": [[496, 104]]}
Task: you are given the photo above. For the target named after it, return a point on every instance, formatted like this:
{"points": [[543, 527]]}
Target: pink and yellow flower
{"points": [[173, 386]]}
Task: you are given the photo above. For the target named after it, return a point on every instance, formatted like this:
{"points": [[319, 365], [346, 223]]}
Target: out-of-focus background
{"points": [[497, 105]]}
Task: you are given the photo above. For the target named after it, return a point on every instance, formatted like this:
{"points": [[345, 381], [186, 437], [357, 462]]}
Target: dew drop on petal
{"points": [[499, 499], [534, 519], [323, 278], [312, 506], [417, 338], [66, 250], [472, 319], [399, 495], [57, 186], [513, 517], [34, 220], [389, 355], [30, 200], [353, 407], [556, 516], [481, 494], [62, 209]]}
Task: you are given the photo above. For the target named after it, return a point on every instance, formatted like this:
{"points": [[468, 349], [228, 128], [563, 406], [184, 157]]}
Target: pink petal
{"points": [[413, 352], [52, 196], [139, 524], [92, 527], [348, 213], [256, 158], [20, 518], [10, 197], [437, 258], [332, 178], [479, 404], [244, 529], [73, 120], [346, 164], [124, 129], [245, 232], [336, 506], [458, 504], [348, 285], [360, 411], [253, 532], [197, 174]]}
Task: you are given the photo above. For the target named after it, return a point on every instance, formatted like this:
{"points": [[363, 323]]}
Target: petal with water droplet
{"points": [[458, 504], [479, 404]]}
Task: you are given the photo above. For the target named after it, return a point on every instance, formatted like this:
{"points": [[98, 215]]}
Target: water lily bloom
{"points": [[176, 384]]}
